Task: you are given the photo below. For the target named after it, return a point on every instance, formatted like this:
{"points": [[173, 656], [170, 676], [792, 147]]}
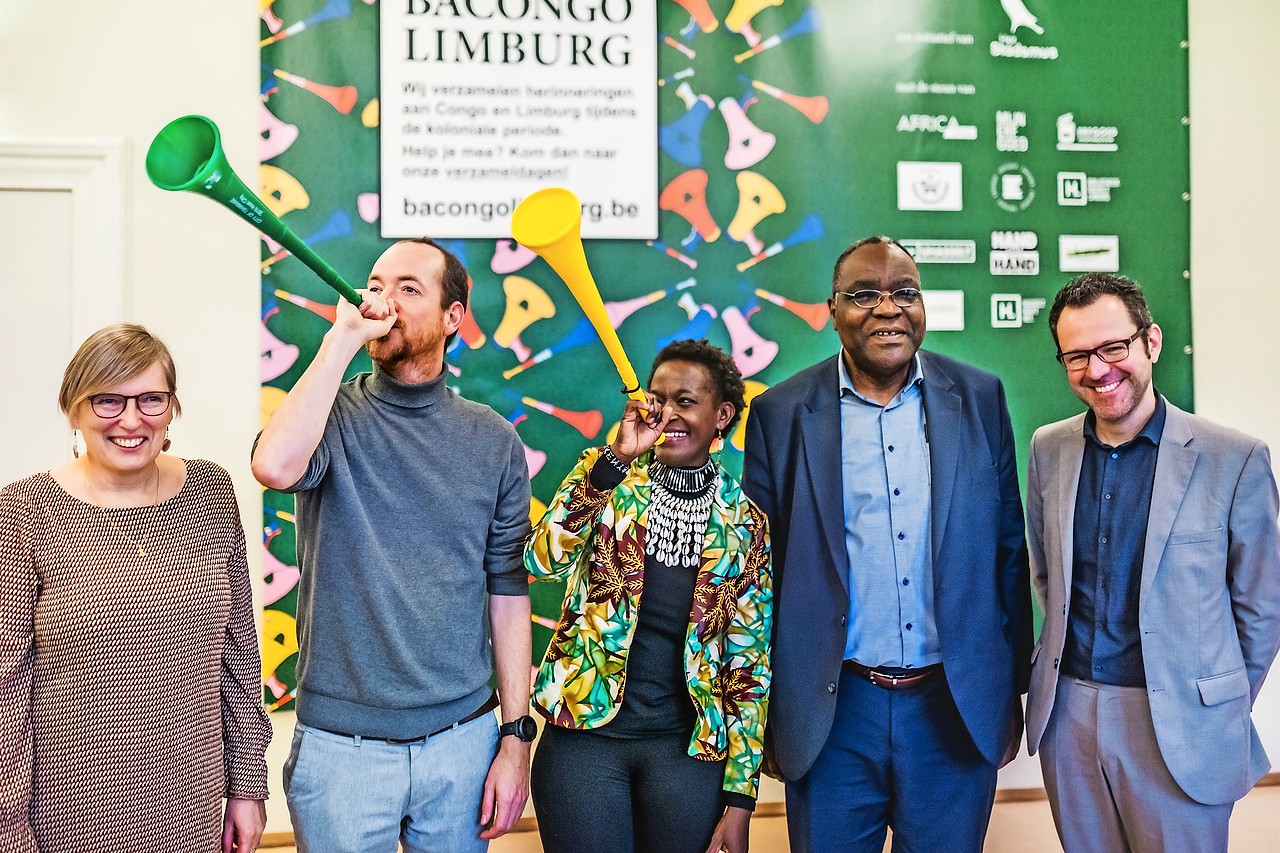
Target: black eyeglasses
{"points": [[150, 403], [1108, 353], [903, 297]]}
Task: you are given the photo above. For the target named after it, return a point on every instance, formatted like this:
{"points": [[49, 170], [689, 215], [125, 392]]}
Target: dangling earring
{"points": [[717, 445], [167, 443], [75, 443]]}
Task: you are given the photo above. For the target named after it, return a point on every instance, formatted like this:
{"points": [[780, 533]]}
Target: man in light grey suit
{"points": [[1155, 554]]}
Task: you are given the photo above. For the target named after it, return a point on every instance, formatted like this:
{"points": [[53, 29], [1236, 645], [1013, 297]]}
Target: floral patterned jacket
{"points": [[596, 541]]}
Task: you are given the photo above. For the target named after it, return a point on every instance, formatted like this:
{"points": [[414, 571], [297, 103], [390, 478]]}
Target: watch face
{"points": [[524, 728], [528, 729]]}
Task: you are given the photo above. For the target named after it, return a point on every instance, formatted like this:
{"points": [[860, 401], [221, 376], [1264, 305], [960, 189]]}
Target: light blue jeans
{"points": [[357, 795]]}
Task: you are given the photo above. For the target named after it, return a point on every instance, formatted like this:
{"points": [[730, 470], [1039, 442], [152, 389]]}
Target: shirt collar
{"points": [[846, 384], [1150, 432], [417, 395]]}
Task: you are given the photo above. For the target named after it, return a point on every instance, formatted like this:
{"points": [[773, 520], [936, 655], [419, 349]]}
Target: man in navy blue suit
{"points": [[902, 598]]}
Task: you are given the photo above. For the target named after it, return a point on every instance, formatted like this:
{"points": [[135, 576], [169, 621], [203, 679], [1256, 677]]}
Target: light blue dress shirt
{"points": [[884, 453]]}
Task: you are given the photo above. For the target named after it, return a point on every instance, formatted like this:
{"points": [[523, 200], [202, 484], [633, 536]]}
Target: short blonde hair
{"points": [[111, 356]]}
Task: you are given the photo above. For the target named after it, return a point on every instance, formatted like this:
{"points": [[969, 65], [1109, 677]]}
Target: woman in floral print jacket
{"points": [[655, 685]]}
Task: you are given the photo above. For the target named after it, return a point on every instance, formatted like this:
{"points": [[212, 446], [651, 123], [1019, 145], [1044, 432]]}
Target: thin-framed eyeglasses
{"points": [[149, 403], [1108, 353], [903, 297]]}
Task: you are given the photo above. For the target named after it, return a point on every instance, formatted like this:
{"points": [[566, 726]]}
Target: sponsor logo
{"points": [[1013, 187], [1013, 310], [923, 87], [1089, 253], [1008, 45], [941, 251], [944, 310], [1075, 137], [1008, 125], [929, 186], [1076, 189], [949, 126], [1014, 253], [1020, 16], [950, 37]]}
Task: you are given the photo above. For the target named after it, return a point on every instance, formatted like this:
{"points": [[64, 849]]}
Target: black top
{"points": [[655, 698], [1104, 643], [655, 695]]}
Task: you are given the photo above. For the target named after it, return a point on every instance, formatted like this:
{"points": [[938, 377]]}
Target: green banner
{"points": [[1010, 145]]}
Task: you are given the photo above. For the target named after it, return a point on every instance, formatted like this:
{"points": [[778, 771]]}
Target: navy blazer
{"points": [[982, 593]]}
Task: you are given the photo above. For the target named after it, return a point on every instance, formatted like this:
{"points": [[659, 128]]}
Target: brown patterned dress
{"points": [[130, 686]]}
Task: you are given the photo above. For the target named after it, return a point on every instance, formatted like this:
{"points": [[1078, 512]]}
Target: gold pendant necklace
{"points": [[155, 513]]}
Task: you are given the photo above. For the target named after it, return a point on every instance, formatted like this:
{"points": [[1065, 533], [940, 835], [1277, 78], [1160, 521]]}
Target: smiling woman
{"points": [[670, 595], [118, 569]]}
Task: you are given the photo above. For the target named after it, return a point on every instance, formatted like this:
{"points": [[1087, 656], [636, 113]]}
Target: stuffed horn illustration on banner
{"points": [[748, 144], [812, 107], [548, 222], [527, 303], [187, 155], [739, 18]]}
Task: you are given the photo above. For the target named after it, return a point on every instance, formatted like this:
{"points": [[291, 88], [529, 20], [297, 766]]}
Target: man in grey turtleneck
{"points": [[412, 510]]}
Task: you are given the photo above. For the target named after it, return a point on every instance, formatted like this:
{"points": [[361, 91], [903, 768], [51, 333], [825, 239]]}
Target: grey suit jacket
{"points": [[1209, 596]]}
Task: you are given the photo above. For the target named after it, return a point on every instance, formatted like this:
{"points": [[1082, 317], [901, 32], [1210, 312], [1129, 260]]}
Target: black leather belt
{"points": [[898, 680], [486, 708]]}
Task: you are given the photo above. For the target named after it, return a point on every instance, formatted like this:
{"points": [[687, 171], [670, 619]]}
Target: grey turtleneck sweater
{"points": [[415, 504]]}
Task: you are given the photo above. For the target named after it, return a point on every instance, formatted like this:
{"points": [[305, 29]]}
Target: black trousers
{"points": [[599, 794]]}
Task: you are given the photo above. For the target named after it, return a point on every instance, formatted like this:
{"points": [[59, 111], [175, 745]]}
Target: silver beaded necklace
{"points": [[679, 506]]}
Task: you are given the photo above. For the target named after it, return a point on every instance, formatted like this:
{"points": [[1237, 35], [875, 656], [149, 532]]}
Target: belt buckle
{"points": [[394, 741]]}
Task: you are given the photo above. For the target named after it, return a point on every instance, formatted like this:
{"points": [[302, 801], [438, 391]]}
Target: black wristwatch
{"points": [[524, 728]]}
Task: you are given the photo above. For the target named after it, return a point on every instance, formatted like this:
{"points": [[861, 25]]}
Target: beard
{"points": [[1117, 409], [401, 345]]}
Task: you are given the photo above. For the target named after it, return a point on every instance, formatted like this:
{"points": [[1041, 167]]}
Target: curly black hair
{"points": [[876, 239], [724, 372], [1083, 291]]}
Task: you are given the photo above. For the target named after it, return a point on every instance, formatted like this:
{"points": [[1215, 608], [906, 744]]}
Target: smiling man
{"points": [[1155, 554], [902, 624]]}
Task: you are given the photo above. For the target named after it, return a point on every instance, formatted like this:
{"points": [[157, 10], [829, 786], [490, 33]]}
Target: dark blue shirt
{"points": [[1104, 643]]}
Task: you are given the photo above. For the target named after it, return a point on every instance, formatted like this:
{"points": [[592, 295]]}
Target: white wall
{"points": [[123, 69], [93, 69], [1235, 216]]}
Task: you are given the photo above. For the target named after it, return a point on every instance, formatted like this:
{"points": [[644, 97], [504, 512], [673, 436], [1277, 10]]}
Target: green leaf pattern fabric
{"points": [[595, 541]]}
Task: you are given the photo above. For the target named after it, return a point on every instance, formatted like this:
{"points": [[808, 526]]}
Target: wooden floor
{"points": [[1016, 827]]}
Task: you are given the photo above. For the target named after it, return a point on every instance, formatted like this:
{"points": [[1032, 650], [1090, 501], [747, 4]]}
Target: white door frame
{"points": [[93, 171]]}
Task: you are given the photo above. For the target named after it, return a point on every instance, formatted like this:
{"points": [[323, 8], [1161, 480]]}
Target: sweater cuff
{"points": [[605, 474], [507, 583], [742, 801]]}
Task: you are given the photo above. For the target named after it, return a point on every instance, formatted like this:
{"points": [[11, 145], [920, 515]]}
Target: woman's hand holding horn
{"points": [[641, 427]]}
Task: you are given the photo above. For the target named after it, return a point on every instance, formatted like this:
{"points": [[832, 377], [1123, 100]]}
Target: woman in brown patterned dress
{"points": [[130, 679]]}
